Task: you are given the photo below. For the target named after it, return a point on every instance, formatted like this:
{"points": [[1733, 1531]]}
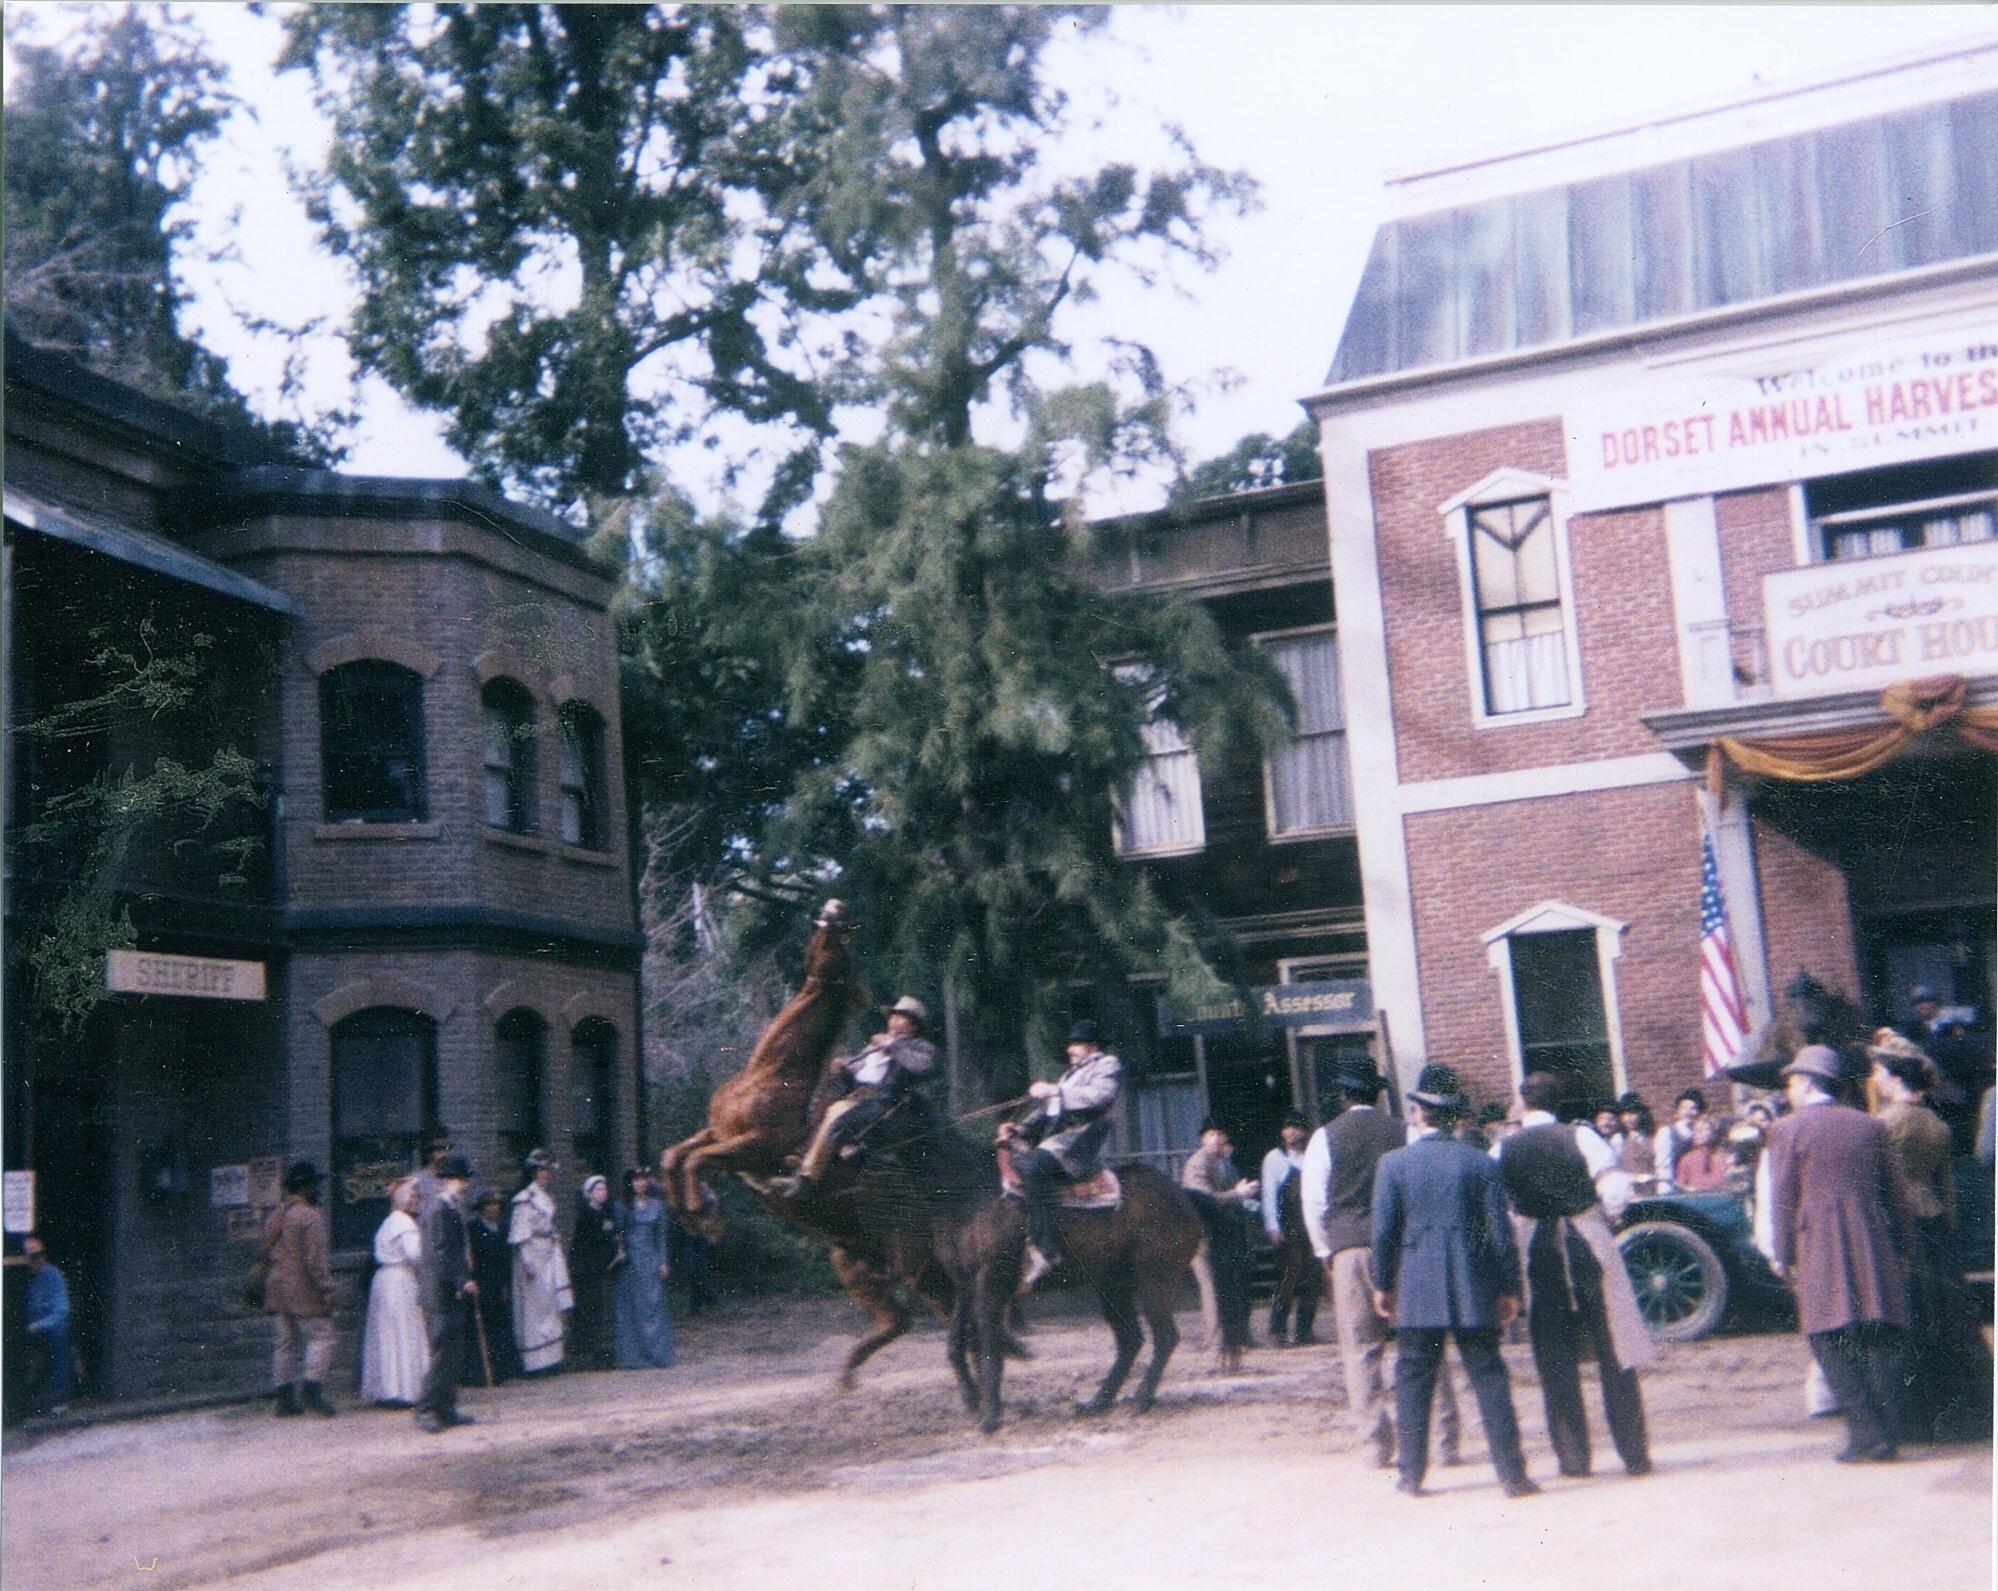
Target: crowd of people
{"points": [[475, 1289], [1448, 1223]]}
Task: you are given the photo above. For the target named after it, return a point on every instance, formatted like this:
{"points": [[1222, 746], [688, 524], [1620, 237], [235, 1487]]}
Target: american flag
{"points": [[1722, 1021]]}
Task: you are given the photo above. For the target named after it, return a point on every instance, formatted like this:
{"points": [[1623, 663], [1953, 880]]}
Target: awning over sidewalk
{"points": [[141, 548], [1838, 738]]}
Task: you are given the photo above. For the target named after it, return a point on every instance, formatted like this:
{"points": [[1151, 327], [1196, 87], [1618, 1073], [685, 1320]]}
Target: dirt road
{"points": [[742, 1468]]}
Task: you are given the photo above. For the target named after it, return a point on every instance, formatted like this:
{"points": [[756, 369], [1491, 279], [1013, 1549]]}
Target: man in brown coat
{"points": [[1844, 1231], [299, 1291]]}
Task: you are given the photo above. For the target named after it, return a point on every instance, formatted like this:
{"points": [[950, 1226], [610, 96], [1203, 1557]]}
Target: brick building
{"points": [[1264, 848], [1672, 442], [438, 926]]}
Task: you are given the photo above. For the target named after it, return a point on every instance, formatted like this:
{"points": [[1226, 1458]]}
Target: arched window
{"points": [[507, 711], [584, 820], [371, 742], [521, 1050], [593, 1094], [384, 1093]]}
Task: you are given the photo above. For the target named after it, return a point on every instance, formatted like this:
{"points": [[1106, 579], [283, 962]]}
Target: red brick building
{"points": [[1640, 442], [438, 925]]}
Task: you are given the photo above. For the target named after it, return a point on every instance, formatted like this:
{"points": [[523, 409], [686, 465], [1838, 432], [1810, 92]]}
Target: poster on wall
{"points": [[1653, 440]]}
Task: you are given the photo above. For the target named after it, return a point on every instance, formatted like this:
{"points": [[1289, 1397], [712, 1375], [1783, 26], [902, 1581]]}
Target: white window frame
{"points": [[1509, 486], [1553, 917], [1119, 838], [1329, 632]]}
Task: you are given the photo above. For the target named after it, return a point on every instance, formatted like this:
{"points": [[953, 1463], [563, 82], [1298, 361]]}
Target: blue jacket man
{"points": [[48, 1324], [1444, 1264]]}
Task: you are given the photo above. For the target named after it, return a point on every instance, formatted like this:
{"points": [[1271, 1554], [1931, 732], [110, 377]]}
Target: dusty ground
{"points": [[742, 1468]]}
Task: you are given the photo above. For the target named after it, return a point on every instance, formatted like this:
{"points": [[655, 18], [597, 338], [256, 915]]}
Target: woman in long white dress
{"points": [[396, 1355], [541, 1292]]}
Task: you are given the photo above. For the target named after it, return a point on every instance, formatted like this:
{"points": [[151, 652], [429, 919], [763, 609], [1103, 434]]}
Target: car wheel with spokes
{"points": [[1680, 1282]]}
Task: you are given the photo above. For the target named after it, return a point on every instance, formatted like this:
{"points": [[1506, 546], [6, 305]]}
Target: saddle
{"points": [[1100, 1192]]}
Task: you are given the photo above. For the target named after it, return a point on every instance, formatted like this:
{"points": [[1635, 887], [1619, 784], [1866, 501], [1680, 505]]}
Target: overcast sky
{"points": [[1318, 103]]}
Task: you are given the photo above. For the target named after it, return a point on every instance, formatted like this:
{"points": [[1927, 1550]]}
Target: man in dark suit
{"points": [[1843, 1230], [1445, 1266], [448, 1291], [1579, 1297]]}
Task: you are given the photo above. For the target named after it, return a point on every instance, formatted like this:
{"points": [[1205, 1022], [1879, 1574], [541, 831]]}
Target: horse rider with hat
{"points": [[881, 1087], [1069, 1126]]}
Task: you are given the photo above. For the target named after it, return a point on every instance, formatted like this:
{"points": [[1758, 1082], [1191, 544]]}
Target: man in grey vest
{"points": [[1337, 1193]]}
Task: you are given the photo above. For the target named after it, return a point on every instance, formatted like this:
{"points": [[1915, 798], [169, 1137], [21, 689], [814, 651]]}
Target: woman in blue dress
{"points": [[643, 1332]]}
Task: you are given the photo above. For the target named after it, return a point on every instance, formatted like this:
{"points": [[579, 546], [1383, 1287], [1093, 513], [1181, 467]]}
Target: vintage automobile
{"points": [[1693, 1261]]}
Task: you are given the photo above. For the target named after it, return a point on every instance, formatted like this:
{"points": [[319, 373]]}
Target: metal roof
{"points": [[143, 549], [1840, 204]]}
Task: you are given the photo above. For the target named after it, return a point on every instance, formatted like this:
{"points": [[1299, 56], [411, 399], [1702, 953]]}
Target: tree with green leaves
{"points": [[981, 700], [104, 132], [133, 784], [554, 214], [1257, 461]]}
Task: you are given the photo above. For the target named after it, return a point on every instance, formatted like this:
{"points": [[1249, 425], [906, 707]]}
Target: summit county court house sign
{"points": [[1863, 624], [1890, 403]]}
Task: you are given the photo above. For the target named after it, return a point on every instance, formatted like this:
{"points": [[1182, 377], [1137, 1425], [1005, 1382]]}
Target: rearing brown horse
{"points": [[761, 1114]]}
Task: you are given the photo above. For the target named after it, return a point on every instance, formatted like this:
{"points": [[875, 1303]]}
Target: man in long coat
{"points": [[1444, 1265], [447, 1289], [299, 1292], [1070, 1129], [1579, 1297], [1843, 1231]]}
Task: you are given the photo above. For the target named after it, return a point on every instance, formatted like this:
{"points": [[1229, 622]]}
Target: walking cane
{"points": [[479, 1321]]}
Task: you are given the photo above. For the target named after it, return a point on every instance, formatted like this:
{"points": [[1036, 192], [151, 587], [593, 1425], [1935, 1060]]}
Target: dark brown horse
{"points": [[762, 1113], [1134, 1256]]}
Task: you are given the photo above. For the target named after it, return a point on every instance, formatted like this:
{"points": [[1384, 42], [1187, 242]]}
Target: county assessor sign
{"points": [[1891, 403]]}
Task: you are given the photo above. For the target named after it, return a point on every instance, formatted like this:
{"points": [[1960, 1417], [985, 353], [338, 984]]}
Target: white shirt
{"points": [[1278, 1165]]}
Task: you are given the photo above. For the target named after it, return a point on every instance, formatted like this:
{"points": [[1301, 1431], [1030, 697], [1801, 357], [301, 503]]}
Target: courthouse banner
{"points": [[1865, 623], [1891, 403]]}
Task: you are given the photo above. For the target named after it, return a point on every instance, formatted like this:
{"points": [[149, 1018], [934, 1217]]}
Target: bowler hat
{"points": [[1817, 1060], [1438, 1088], [454, 1168], [1085, 1032], [541, 1160], [303, 1175], [1360, 1077]]}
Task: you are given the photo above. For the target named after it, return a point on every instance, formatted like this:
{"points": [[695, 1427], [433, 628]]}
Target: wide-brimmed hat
{"points": [[302, 1176], [541, 1160], [454, 1168], [1439, 1088], [1085, 1032], [1817, 1060], [1360, 1077], [910, 1007]]}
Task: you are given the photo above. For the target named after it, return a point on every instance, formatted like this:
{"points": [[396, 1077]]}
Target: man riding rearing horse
{"points": [[881, 1084], [1070, 1127]]}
